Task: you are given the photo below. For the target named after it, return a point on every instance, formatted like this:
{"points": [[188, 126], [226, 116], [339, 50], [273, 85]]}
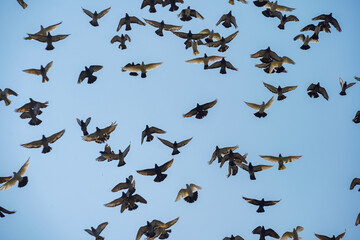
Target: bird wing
{"points": [[95, 68], [292, 18], [357, 78], [24, 168], [147, 172], [181, 34], [169, 27], [9, 184], [89, 232], [33, 71], [170, 223], [253, 105], [258, 54], [287, 60], [110, 128], [115, 203], [287, 235], [194, 187], [284, 8], [213, 44], [90, 14], [323, 92], [53, 138], [270, 87], [226, 150], [166, 142], [103, 12], [156, 130], [121, 23], [87, 121], [136, 20], [8, 91], [48, 66], [263, 65], [354, 182], [152, 23], [340, 236], [116, 38], [59, 37], [209, 104], [257, 230], [261, 168], [215, 65], [311, 87], [300, 37], [223, 18], [182, 193], [39, 38], [126, 150], [233, 21], [138, 198], [291, 159], [270, 203], [4, 179], [230, 66], [143, 135], [322, 237], [140, 232], [310, 27], [231, 37], [6, 211], [243, 166], [357, 222], [349, 85], [268, 104], [101, 227], [288, 89], [252, 201], [120, 186], [196, 14], [271, 233], [166, 165], [151, 66], [82, 76], [34, 144], [199, 36], [270, 158], [130, 68], [51, 27], [191, 113], [183, 143], [335, 23]]}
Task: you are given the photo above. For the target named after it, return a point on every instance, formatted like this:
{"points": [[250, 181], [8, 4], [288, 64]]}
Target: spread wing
{"points": [[287, 235], [48, 66], [270, 158], [209, 105], [34, 144], [183, 143], [24, 168], [126, 150], [194, 187], [140, 232], [270, 87], [182, 193], [156, 130], [288, 89], [196, 14], [152, 23], [191, 113], [300, 37], [230, 66], [51, 27], [252, 201], [147, 172], [101, 227], [151, 66], [257, 230], [9, 184], [271, 233], [166, 165], [261, 168], [4, 179], [253, 105], [268, 104], [90, 14], [138, 198], [223, 17], [95, 68], [103, 12], [291, 159], [270, 203], [130, 68], [53, 138], [39, 38], [323, 92], [322, 237], [311, 87], [8, 91], [169, 27], [166, 142], [231, 37], [33, 71], [6, 211], [59, 37], [181, 34], [115, 202], [354, 182], [136, 20]]}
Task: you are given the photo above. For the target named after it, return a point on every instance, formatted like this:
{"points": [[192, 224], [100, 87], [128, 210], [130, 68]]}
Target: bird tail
{"points": [[45, 79], [7, 101], [227, 25], [305, 47], [281, 26], [260, 115], [342, 93], [122, 46], [266, 13], [159, 32], [149, 138], [223, 70], [94, 23], [206, 66], [133, 74], [46, 149], [35, 122], [23, 182], [128, 27], [282, 166], [260, 209], [260, 4], [160, 177], [143, 75], [313, 94], [92, 79], [196, 52], [121, 163], [281, 97], [49, 46], [175, 151], [173, 8], [152, 9], [252, 176]]}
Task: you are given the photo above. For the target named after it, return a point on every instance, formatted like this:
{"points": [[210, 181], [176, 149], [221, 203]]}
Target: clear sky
{"points": [[67, 188]]}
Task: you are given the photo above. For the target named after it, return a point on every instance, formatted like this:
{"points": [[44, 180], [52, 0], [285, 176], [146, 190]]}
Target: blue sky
{"points": [[67, 188]]}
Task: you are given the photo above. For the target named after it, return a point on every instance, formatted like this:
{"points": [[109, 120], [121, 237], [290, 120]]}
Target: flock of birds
{"points": [[270, 63]]}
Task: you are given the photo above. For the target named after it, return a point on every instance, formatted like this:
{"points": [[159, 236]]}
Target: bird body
{"points": [[148, 133], [189, 193], [322, 237], [314, 89], [284, 19], [162, 26], [266, 55], [100, 135], [261, 108], [200, 111], [306, 40], [43, 31], [344, 86], [127, 20], [279, 90], [175, 145], [222, 42], [294, 234], [223, 65], [17, 177], [45, 141], [328, 18], [187, 14], [96, 16], [172, 3], [261, 203], [151, 4], [5, 94], [84, 125], [265, 232], [121, 39], [227, 20], [49, 39], [143, 68], [88, 73], [96, 232], [157, 170], [41, 72], [280, 160]]}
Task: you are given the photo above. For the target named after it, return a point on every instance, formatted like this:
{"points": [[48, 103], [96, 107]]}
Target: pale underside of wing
{"points": [[101, 227], [182, 193], [268, 104], [261, 167], [51, 27], [53, 138], [253, 105], [87, 12], [270, 87], [270, 158], [151, 66], [59, 37], [291, 158], [33, 71], [34, 144], [103, 12]]}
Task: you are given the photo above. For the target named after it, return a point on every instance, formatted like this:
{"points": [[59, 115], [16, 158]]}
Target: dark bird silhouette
{"points": [[200, 111], [22, 3], [261, 203], [233, 238], [127, 20], [321, 27], [187, 14], [131, 65], [280, 160], [26, 107], [44, 141], [18, 177], [328, 18], [261, 108], [227, 20], [190, 36], [151, 4], [357, 117], [276, 65], [148, 133], [266, 55], [315, 89], [252, 169], [279, 90], [205, 60], [212, 35], [260, 3], [294, 234], [175, 145], [143, 68], [33, 113], [5, 94], [128, 184], [84, 125], [344, 86], [263, 233], [96, 16], [121, 156], [157, 170], [127, 201], [40, 72], [223, 65], [100, 135], [233, 156], [43, 31], [107, 150], [222, 42], [322, 237], [88, 73], [190, 193], [219, 152], [121, 39], [96, 232], [173, 6], [150, 229], [355, 182], [306, 40], [284, 19], [162, 26], [48, 39], [3, 210]]}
